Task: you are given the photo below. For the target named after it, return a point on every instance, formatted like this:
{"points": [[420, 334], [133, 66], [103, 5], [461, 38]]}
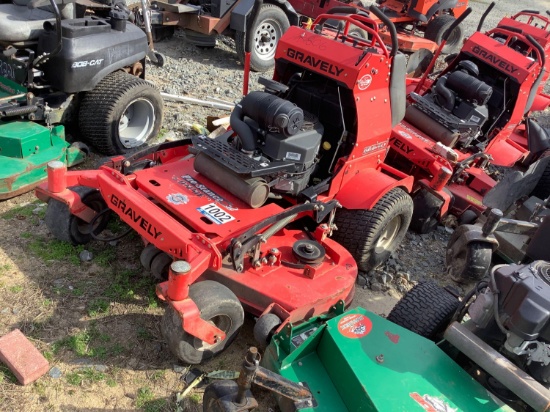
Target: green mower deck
{"points": [[25, 150], [359, 361]]}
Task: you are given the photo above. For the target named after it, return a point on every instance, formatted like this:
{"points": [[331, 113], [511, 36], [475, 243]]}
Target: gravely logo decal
{"points": [[313, 62], [497, 61], [136, 217]]}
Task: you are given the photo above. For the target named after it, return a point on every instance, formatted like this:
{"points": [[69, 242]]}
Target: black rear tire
{"points": [[120, 114], [216, 304], [267, 29], [469, 264], [437, 27], [69, 228], [372, 235], [425, 310]]}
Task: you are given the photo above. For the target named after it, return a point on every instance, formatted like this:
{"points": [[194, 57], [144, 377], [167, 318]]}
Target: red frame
{"points": [[395, 11], [508, 145]]}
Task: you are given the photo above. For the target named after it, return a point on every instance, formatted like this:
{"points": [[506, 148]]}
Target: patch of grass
{"points": [[89, 343], [117, 349], [85, 376], [157, 376], [48, 355], [77, 292], [26, 235], [6, 375], [16, 289], [122, 286], [105, 257], [56, 250], [24, 212], [196, 398], [144, 395], [98, 307], [5, 268], [145, 400], [144, 334], [111, 382], [47, 303]]}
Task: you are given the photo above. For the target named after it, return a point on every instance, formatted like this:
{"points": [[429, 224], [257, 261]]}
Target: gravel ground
{"points": [[204, 73]]}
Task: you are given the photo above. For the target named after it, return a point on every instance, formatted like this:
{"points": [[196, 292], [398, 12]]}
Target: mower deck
{"points": [[25, 150], [359, 361]]}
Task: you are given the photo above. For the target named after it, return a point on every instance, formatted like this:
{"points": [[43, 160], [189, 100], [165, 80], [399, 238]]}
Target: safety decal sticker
{"points": [[354, 326], [215, 213], [431, 403], [364, 82], [177, 199]]}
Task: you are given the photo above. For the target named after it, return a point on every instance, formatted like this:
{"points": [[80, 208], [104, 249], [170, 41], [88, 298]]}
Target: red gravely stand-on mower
{"points": [[473, 116], [241, 221]]}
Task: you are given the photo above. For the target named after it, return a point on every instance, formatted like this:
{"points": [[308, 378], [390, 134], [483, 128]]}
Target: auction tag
{"points": [[215, 213], [354, 326]]}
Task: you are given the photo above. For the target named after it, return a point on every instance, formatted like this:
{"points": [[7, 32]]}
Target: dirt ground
{"points": [[98, 321]]}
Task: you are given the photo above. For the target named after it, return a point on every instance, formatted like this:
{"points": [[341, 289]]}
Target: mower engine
{"points": [[458, 102], [273, 147], [513, 315]]}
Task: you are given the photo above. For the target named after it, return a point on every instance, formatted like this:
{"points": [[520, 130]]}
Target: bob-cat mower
{"points": [[355, 361], [242, 220], [499, 332], [487, 352], [519, 233], [55, 70], [474, 119]]}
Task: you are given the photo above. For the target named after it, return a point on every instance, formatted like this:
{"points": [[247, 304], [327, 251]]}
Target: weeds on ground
{"points": [[85, 376], [55, 250], [145, 400], [6, 375], [89, 343], [25, 212], [98, 307]]}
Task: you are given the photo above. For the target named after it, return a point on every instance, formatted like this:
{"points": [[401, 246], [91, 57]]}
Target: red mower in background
{"points": [[420, 24], [471, 125], [241, 220]]}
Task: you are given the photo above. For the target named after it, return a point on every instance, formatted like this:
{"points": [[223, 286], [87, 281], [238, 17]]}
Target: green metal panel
{"points": [[21, 139], [25, 150], [359, 361]]}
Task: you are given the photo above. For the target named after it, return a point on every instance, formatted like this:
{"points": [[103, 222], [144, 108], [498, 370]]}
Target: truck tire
{"points": [[437, 27], [120, 114], [69, 228], [425, 310], [269, 26], [542, 189], [217, 304], [372, 235]]}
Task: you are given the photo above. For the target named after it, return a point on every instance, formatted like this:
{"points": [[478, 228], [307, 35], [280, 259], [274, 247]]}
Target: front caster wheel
{"points": [[217, 305], [70, 228]]}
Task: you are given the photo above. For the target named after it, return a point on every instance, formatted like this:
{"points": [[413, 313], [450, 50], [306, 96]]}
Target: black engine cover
{"points": [[524, 299], [91, 50]]}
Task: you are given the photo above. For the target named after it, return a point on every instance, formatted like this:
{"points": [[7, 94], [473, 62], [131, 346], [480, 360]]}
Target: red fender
{"points": [[367, 187]]}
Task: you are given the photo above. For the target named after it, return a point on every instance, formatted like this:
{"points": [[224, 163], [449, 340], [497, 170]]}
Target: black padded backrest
{"points": [[398, 88]]}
